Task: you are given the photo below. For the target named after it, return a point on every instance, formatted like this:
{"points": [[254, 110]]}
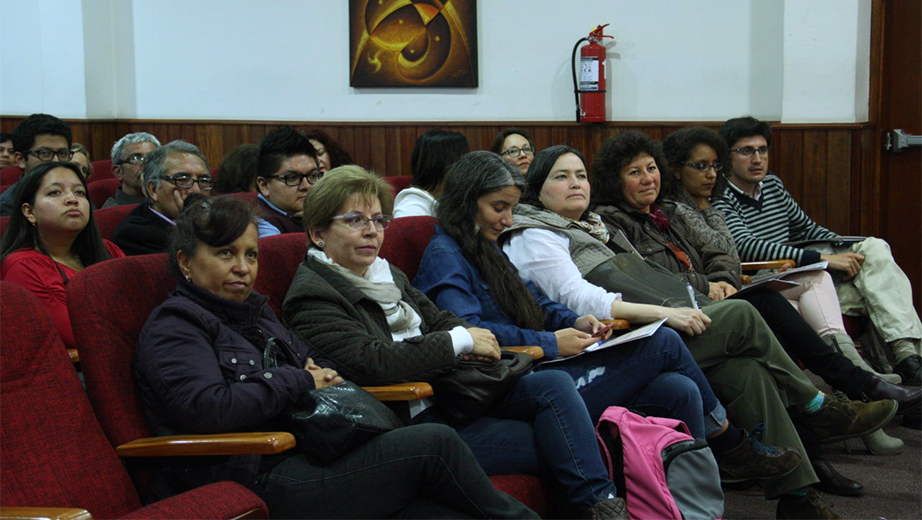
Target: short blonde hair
{"points": [[336, 187]]}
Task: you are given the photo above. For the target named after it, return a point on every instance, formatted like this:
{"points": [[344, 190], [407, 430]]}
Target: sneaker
{"points": [[753, 460], [839, 418], [615, 508], [812, 505]]}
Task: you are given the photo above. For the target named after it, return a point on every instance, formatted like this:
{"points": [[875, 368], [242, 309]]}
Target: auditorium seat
{"points": [[101, 189], [10, 175], [399, 182], [108, 219], [102, 169], [53, 452]]}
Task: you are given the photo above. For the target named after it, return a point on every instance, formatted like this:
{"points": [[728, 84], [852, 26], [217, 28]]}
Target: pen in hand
{"points": [[691, 295]]}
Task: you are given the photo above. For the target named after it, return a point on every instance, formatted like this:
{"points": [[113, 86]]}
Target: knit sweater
{"points": [[706, 226], [760, 227]]}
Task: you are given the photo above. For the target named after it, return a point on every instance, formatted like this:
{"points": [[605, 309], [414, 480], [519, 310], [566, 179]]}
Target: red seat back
{"points": [[102, 169], [279, 258], [399, 182], [53, 452], [4, 222], [108, 219], [101, 189], [405, 242], [109, 303], [4, 187], [10, 175]]}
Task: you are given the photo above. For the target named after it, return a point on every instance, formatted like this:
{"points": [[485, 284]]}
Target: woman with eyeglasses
{"points": [[352, 306], [514, 145], [51, 237], [434, 152], [200, 365], [81, 157]]}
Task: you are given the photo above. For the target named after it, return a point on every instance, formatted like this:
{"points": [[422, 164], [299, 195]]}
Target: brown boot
{"points": [[753, 460], [810, 506], [839, 419]]}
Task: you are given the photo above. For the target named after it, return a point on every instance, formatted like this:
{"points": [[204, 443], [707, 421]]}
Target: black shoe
{"points": [[909, 399], [913, 420], [832, 482], [751, 459], [910, 370], [810, 506]]}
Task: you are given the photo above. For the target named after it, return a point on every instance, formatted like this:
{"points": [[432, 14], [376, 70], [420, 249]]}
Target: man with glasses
{"points": [[37, 139], [170, 174], [128, 155], [763, 217], [286, 169]]}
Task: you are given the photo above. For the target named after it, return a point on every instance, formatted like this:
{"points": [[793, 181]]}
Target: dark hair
{"points": [[741, 127], [237, 171], [434, 152], [216, 221], [280, 144], [677, 148], [615, 154], [473, 176], [20, 233], [540, 168], [497, 146], [39, 124], [6, 136], [338, 155]]}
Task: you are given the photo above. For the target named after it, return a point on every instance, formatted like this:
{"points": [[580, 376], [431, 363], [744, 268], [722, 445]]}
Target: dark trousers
{"points": [[422, 471]]}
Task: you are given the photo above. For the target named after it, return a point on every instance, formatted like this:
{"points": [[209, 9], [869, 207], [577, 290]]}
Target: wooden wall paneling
{"points": [[786, 159], [812, 177], [838, 180]]}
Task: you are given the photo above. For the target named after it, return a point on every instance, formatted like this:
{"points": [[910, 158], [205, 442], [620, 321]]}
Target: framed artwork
{"points": [[413, 43]]}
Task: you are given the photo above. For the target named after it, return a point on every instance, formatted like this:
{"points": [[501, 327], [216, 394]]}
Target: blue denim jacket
{"points": [[455, 285]]}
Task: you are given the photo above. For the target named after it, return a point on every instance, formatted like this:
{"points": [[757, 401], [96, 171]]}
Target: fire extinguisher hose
{"points": [[576, 90]]}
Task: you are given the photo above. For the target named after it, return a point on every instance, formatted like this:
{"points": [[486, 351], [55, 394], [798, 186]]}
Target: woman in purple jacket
{"points": [[200, 370]]}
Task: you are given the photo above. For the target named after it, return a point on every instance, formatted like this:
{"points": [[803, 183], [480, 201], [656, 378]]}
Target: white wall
{"points": [[288, 60]]}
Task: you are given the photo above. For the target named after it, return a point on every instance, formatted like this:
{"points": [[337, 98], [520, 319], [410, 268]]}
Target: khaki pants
{"points": [[755, 380]]}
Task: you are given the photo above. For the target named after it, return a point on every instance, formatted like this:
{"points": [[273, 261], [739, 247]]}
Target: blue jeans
{"points": [[541, 427], [657, 376]]}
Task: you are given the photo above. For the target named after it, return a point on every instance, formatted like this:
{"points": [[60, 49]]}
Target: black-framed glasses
{"points": [[185, 182], [294, 178], [133, 159], [514, 152], [359, 222], [703, 166], [46, 154], [747, 151]]}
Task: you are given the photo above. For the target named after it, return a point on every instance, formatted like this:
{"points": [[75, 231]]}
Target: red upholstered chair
{"points": [[4, 187], [53, 453], [102, 169], [10, 175], [405, 242], [101, 189], [399, 182], [108, 219], [4, 221]]}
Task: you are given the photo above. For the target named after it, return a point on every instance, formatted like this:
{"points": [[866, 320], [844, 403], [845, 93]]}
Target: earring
{"points": [[476, 227], [320, 243], [189, 278]]}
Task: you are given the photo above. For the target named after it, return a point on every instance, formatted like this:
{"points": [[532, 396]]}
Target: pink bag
{"points": [[666, 472]]}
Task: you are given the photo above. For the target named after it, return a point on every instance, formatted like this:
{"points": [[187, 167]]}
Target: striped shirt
{"points": [[761, 226]]}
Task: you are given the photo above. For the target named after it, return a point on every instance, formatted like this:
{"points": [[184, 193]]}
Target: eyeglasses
{"points": [[747, 151], [514, 152], [703, 166], [294, 179], [45, 154], [133, 159], [185, 182], [358, 222]]}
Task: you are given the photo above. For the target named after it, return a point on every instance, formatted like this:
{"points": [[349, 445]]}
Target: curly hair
{"points": [[616, 153], [677, 148], [475, 175], [338, 155]]}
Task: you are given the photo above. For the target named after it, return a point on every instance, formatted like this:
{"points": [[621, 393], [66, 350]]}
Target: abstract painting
{"points": [[413, 43]]}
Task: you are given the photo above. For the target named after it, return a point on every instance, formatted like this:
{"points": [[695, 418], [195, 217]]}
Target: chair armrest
{"points": [[251, 443], [782, 263], [74, 355], [619, 324], [44, 513], [400, 391], [535, 352]]}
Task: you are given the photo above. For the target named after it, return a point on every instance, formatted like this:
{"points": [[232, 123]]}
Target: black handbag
{"points": [[475, 386], [641, 281], [329, 422]]}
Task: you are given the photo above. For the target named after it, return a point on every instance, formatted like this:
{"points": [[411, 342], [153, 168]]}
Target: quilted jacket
{"points": [[710, 263], [332, 316]]}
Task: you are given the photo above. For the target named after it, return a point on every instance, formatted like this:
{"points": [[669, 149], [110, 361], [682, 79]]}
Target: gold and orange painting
{"points": [[413, 43]]}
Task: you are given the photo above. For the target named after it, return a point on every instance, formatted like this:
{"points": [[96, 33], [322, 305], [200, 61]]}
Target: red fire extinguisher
{"points": [[590, 89]]}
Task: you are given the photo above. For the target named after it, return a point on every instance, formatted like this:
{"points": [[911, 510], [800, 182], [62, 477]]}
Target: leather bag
{"points": [[641, 281], [475, 386]]}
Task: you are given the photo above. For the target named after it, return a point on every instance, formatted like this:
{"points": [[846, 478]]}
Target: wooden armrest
{"points": [[535, 352], [74, 355], [251, 443], [400, 391], [619, 324], [44, 513], [768, 264]]}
